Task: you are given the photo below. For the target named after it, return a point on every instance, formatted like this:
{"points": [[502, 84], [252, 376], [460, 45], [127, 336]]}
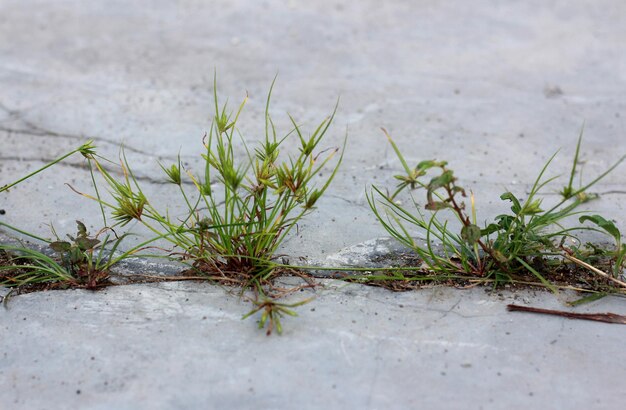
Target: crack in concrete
{"points": [[451, 310], [444, 312], [368, 294], [402, 341], [12, 113], [349, 201], [138, 177], [35, 131]]}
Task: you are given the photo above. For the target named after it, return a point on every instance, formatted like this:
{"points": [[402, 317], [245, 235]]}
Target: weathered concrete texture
{"points": [[475, 83], [494, 87], [184, 346]]}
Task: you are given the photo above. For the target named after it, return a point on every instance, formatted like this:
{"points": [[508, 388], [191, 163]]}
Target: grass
{"points": [[84, 261], [22, 266], [240, 210], [241, 207], [243, 202], [532, 239]]}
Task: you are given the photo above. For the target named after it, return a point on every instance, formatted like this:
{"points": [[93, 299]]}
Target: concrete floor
{"points": [[493, 87]]}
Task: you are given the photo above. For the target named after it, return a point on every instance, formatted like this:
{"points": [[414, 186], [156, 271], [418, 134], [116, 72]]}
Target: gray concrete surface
{"points": [[494, 87]]}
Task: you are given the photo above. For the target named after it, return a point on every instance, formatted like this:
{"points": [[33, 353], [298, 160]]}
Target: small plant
{"points": [[238, 224], [273, 311], [527, 240], [242, 207], [22, 266], [84, 262], [81, 259]]}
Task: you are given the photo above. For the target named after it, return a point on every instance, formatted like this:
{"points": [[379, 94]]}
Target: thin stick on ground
{"points": [[598, 317]]}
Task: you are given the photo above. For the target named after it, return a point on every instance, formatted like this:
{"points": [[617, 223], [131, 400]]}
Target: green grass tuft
{"points": [[527, 240]]}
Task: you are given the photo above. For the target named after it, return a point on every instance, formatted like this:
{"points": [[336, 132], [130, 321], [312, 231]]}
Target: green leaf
{"points": [[587, 299], [491, 228], [312, 199], [436, 206], [398, 153], [471, 234], [608, 226], [423, 166], [88, 149], [263, 320], [568, 191], [173, 173], [76, 255], [82, 229], [531, 208], [508, 196], [205, 188], [279, 326], [86, 243], [539, 276], [442, 180], [60, 246], [505, 221], [458, 189]]}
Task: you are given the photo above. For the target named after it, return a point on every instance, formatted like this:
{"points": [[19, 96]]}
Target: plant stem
{"points": [[61, 158], [465, 220], [594, 269]]}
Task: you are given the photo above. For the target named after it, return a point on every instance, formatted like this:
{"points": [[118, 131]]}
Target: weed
{"points": [[616, 255], [85, 262], [527, 240], [243, 206], [273, 311], [260, 199], [22, 266], [85, 257]]}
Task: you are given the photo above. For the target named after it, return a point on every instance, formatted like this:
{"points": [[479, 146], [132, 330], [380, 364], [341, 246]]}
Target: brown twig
{"points": [[598, 317]]}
